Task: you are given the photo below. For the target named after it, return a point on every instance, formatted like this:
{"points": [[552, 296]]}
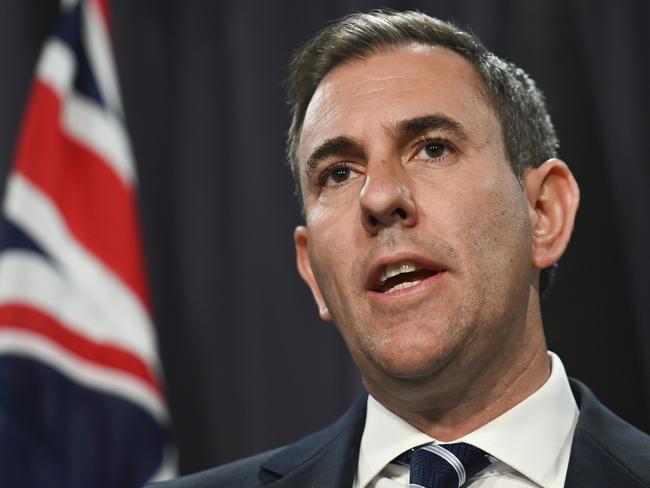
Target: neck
{"points": [[462, 397]]}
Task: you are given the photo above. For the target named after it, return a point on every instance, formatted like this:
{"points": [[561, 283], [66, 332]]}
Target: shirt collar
{"points": [[534, 437]]}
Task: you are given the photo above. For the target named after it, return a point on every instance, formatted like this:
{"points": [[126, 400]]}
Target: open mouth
{"points": [[400, 276]]}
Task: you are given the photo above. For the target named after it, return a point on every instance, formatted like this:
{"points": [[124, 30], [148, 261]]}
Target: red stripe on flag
{"points": [[105, 12], [25, 317], [99, 209]]}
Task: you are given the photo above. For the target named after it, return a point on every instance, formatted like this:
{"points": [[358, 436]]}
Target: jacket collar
{"points": [[606, 450]]}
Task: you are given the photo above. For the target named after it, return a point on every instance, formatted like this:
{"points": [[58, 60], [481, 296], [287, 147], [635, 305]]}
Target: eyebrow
{"points": [[419, 125], [331, 147]]}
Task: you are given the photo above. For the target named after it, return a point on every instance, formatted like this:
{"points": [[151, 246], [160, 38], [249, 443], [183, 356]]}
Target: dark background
{"points": [[248, 363]]}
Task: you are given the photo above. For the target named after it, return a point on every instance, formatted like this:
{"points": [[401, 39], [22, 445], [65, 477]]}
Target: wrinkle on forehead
{"points": [[359, 83]]}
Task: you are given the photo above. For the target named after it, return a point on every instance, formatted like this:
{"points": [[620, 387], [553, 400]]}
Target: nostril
{"points": [[401, 213], [373, 220]]}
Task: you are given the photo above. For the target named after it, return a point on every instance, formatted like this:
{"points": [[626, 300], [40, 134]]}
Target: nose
{"points": [[386, 200]]}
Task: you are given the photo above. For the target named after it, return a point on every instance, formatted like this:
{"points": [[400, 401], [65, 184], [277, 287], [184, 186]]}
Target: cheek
{"points": [[485, 218], [497, 207], [499, 241], [333, 211], [328, 227], [327, 250]]}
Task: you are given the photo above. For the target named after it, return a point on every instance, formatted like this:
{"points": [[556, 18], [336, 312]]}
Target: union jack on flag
{"points": [[81, 402]]}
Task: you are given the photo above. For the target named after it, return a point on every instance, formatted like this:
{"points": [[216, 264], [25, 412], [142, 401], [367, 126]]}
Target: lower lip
{"points": [[422, 287]]}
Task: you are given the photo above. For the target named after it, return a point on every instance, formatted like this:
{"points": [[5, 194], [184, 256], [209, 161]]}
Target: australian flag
{"points": [[81, 401]]}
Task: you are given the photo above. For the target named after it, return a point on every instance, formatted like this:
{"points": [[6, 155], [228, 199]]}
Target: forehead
{"points": [[361, 96]]}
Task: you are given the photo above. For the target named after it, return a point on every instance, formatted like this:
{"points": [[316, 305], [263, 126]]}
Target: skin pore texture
{"points": [[402, 161]]}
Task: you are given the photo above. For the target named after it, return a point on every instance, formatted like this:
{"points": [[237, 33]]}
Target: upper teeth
{"points": [[398, 268]]}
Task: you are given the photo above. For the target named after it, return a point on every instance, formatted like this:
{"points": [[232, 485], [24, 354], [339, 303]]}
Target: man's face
{"points": [[404, 172]]}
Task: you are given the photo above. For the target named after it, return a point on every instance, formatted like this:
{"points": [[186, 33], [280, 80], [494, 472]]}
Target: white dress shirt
{"points": [[530, 443]]}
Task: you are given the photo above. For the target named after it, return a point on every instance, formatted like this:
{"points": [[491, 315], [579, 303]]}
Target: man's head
{"points": [[431, 200], [528, 133]]}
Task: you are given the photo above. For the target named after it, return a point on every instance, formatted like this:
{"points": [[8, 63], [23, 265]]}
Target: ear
{"points": [[300, 237], [553, 198]]}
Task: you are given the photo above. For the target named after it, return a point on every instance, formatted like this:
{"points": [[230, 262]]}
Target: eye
{"points": [[433, 150], [337, 175]]}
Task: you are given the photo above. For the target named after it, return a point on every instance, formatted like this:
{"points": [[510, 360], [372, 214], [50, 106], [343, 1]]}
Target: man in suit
{"points": [[435, 209]]}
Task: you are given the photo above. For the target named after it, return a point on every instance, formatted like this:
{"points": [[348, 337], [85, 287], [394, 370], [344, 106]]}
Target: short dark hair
{"points": [[528, 134]]}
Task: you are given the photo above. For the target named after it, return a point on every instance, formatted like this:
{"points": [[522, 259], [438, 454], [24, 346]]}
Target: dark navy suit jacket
{"points": [[607, 452]]}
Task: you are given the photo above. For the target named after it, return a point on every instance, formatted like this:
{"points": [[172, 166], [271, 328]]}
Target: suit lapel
{"points": [[327, 459], [592, 466], [597, 436]]}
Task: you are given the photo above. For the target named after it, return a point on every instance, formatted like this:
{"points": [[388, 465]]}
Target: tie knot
{"points": [[443, 465]]}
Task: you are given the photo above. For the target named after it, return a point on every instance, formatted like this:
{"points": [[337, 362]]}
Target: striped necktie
{"points": [[443, 465]]}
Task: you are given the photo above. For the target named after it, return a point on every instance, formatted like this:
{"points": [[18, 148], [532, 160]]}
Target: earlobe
{"points": [[300, 237], [553, 197]]}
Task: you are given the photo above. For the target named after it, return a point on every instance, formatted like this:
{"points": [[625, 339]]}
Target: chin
{"points": [[411, 363]]}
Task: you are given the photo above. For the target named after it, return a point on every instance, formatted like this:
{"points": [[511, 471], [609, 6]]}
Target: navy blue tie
{"points": [[443, 465]]}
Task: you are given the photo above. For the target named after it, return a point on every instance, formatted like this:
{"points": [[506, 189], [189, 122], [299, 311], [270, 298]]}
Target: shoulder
{"points": [[243, 473], [321, 458], [604, 438]]}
